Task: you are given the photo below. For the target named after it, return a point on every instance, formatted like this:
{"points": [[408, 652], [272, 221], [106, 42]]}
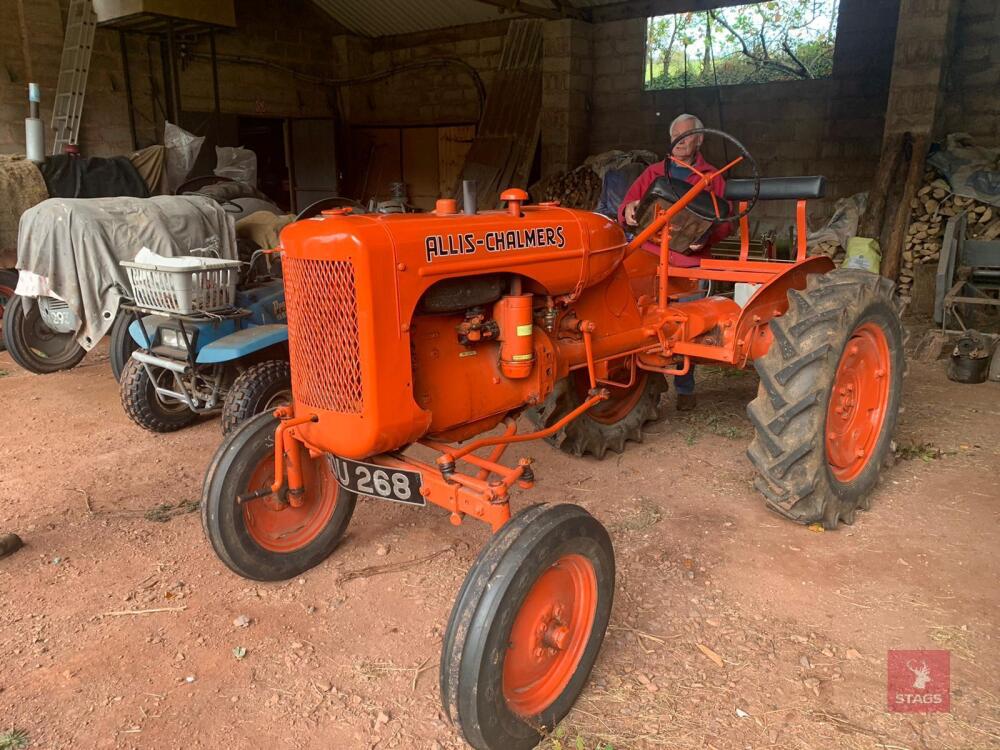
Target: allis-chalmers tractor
{"points": [[416, 340]]}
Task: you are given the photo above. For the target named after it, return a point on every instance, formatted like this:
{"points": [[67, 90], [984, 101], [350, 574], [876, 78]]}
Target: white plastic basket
{"points": [[185, 285]]}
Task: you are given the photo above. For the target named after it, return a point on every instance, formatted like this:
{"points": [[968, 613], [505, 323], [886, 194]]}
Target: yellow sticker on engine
{"points": [[468, 353], [522, 357], [525, 330]]}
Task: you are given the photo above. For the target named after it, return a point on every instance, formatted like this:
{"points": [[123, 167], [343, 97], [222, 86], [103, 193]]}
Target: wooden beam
{"points": [[893, 251], [620, 11], [552, 14], [885, 177]]}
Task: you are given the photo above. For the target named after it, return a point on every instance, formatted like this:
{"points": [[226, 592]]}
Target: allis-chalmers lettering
{"points": [[445, 245]]}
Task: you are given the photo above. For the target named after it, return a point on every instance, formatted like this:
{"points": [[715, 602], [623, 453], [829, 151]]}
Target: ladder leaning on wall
{"points": [[73, 69]]}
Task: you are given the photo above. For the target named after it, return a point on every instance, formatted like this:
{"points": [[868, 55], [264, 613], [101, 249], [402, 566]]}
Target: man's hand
{"points": [[695, 247], [630, 212]]}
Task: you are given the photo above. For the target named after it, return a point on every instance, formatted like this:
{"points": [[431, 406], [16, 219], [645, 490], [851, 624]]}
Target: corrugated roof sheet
{"points": [[375, 18]]}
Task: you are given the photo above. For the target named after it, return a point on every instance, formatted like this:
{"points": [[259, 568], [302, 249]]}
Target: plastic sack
{"points": [[843, 224], [182, 152], [236, 163], [863, 253]]}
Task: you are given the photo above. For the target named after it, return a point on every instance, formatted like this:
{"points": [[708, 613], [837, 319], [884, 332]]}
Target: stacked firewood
{"points": [[578, 188], [831, 249], [929, 213]]}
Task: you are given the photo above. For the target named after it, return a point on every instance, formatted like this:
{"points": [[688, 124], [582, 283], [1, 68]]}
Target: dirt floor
{"points": [[732, 628]]}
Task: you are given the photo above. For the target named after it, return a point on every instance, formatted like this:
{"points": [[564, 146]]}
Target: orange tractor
{"points": [[416, 340]]}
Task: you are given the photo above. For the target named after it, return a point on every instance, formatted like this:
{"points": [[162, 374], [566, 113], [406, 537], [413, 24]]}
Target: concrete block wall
{"points": [[567, 79], [439, 95], [293, 34], [972, 86], [831, 126]]}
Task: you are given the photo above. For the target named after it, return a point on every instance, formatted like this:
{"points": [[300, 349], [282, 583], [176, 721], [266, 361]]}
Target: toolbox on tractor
{"points": [[440, 329]]}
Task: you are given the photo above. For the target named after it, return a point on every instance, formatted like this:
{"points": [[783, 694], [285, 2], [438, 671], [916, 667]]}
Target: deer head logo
{"points": [[921, 674]]}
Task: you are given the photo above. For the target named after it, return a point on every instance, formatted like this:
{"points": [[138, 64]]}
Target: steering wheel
{"points": [[715, 216]]}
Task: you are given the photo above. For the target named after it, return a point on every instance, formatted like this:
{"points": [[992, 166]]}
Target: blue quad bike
{"points": [[233, 360]]}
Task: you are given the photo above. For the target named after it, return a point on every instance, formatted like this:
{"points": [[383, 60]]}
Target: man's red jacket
{"points": [[719, 232]]}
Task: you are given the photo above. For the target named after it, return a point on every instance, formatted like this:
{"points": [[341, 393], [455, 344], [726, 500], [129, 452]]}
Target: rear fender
{"points": [[753, 335], [242, 343]]}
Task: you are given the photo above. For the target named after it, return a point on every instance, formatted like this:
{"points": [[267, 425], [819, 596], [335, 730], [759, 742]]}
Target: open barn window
{"points": [[778, 40]]}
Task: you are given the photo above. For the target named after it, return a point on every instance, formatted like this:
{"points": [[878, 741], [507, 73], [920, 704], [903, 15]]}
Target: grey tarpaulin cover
{"points": [[77, 244], [972, 171]]}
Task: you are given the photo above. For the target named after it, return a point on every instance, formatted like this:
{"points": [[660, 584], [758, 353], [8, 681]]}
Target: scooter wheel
{"points": [[259, 539], [527, 626], [32, 344]]}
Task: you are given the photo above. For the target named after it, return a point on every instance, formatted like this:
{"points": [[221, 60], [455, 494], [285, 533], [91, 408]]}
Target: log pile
{"points": [[578, 188], [831, 249], [930, 210]]}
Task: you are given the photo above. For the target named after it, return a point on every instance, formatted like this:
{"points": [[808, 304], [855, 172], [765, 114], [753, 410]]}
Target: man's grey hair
{"points": [[682, 118]]}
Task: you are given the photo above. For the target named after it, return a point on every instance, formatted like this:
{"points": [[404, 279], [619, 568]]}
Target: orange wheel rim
{"points": [[287, 529], [858, 403], [549, 635], [622, 400]]}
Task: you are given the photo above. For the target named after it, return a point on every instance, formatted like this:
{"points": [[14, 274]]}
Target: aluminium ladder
{"points": [[73, 69]]}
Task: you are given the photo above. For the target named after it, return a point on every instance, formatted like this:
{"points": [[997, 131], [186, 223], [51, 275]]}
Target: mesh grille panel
{"points": [[321, 299]]}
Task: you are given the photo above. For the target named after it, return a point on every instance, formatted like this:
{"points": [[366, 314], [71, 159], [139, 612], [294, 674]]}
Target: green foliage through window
{"points": [[778, 40]]}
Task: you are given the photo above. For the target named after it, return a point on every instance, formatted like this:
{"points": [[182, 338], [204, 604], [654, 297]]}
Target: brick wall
{"points": [[972, 88], [831, 126], [293, 34]]}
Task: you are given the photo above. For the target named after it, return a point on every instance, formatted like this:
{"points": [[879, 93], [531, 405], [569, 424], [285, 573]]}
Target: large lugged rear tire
{"points": [[609, 424], [829, 397], [527, 626], [255, 539], [35, 346]]}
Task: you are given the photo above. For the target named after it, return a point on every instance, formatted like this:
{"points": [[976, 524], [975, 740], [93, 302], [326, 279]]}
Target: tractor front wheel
{"points": [[829, 397], [264, 539], [607, 425], [527, 626]]}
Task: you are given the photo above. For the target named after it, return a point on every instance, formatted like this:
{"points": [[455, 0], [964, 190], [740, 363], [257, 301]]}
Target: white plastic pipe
{"points": [[34, 132]]}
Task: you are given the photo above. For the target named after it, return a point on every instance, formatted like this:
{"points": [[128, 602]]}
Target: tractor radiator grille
{"points": [[322, 302]]}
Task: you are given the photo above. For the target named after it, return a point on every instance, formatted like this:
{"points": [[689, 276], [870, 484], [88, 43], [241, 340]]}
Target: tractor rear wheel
{"points": [[262, 539], [527, 626], [829, 396], [609, 424]]}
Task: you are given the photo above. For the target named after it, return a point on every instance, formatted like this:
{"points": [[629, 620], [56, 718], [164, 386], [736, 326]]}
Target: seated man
{"points": [[689, 151]]}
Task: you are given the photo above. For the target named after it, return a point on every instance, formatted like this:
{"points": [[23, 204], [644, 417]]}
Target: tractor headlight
{"points": [[171, 338]]}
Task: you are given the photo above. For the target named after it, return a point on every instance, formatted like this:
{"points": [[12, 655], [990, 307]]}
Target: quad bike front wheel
{"points": [[263, 539], [32, 344], [263, 387], [527, 626], [829, 397], [145, 406], [607, 425]]}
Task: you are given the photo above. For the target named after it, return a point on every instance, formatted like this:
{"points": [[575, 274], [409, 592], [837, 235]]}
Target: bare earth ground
{"points": [[800, 620]]}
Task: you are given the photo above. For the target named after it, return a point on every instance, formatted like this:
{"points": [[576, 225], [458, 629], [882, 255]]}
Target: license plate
{"points": [[398, 485]]}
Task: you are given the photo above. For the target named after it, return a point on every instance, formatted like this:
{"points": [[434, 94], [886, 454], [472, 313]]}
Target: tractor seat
{"points": [[778, 189]]}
